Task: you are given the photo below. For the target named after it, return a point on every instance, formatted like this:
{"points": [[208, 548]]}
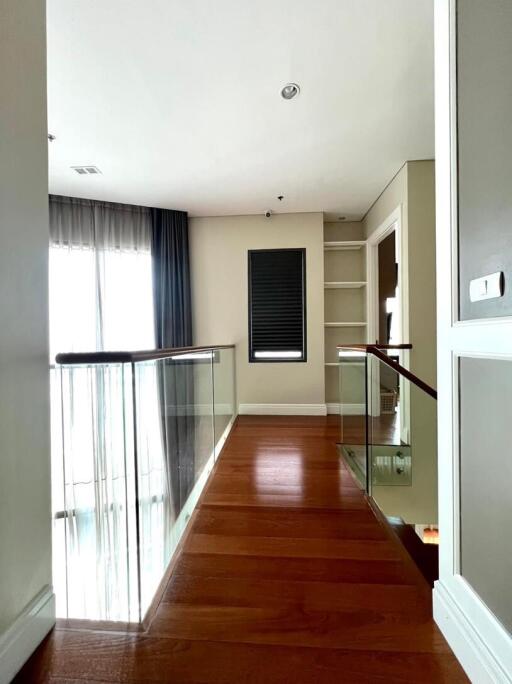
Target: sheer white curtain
{"points": [[100, 299], [101, 294]]}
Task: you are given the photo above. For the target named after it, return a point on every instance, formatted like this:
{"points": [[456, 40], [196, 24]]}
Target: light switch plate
{"points": [[487, 287]]}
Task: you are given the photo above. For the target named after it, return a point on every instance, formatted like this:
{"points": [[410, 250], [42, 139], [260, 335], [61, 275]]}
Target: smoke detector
{"points": [[84, 170]]}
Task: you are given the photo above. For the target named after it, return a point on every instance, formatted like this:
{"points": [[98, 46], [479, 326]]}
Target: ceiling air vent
{"points": [[84, 170]]}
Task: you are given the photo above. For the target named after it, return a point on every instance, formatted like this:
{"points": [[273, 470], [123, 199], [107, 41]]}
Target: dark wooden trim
{"points": [[406, 373], [105, 357], [369, 347], [425, 556], [422, 582], [376, 350]]}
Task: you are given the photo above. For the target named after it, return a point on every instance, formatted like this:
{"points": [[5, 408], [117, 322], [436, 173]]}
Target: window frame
{"points": [[251, 353]]}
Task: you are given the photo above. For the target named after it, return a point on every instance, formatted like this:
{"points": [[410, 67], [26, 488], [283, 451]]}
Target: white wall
{"points": [[25, 519], [218, 253]]}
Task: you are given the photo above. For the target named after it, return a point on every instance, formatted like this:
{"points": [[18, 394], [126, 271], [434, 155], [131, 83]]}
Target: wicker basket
{"points": [[388, 402]]}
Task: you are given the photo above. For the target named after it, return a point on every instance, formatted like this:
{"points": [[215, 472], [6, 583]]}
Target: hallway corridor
{"points": [[286, 576]]}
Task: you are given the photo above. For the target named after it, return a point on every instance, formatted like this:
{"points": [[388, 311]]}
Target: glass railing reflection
{"points": [[133, 444], [389, 432]]}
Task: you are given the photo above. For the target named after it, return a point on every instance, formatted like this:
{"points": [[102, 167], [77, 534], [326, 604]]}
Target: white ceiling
{"points": [[177, 101]]}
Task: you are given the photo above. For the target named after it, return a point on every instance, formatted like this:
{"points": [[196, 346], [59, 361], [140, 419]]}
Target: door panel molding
{"points": [[479, 641]]}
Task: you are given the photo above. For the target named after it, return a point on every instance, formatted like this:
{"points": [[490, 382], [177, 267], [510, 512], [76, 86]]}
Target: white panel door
{"points": [[480, 640]]}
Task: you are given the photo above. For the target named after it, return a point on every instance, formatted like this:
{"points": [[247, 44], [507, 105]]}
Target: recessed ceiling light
{"points": [[289, 91]]}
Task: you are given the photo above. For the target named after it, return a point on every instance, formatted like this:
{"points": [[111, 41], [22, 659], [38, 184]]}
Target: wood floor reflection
{"points": [[287, 575], [383, 429]]}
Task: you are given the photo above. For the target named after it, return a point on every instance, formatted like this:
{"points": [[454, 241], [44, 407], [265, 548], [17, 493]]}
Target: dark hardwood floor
{"points": [[286, 576]]}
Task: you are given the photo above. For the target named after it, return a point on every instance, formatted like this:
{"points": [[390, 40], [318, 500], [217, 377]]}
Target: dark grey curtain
{"points": [[171, 278], [173, 328]]}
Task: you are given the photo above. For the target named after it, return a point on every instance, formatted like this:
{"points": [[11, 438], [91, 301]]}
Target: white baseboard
{"points": [[282, 409], [222, 440], [21, 639], [481, 666], [346, 409], [198, 409]]}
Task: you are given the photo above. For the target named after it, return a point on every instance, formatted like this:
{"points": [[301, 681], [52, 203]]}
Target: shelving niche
{"points": [[344, 296]]}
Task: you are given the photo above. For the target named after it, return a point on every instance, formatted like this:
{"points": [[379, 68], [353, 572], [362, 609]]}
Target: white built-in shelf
{"points": [[344, 245], [344, 285], [345, 324], [331, 363]]}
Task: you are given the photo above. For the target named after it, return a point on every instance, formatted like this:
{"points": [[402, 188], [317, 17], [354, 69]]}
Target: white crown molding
{"points": [[282, 409], [26, 633]]}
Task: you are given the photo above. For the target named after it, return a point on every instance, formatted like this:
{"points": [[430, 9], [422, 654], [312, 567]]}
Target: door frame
{"points": [[391, 223], [479, 641]]}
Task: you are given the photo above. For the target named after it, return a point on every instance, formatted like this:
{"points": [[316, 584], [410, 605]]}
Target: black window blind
{"points": [[277, 316]]}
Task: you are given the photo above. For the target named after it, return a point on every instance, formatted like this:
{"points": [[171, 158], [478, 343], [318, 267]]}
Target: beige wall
{"points": [[413, 189], [343, 230], [394, 195], [422, 269], [25, 518], [218, 253]]}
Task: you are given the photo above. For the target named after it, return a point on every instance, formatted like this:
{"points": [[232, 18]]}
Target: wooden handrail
{"points": [[376, 350], [105, 357], [369, 347]]}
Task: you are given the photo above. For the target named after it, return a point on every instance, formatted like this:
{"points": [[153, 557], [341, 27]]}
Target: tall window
{"points": [[101, 298], [101, 294], [277, 305]]}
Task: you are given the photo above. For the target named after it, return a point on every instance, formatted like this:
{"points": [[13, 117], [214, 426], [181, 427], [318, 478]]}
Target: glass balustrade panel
{"points": [[224, 394], [93, 518], [353, 418], [174, 455], [402, 447]]}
